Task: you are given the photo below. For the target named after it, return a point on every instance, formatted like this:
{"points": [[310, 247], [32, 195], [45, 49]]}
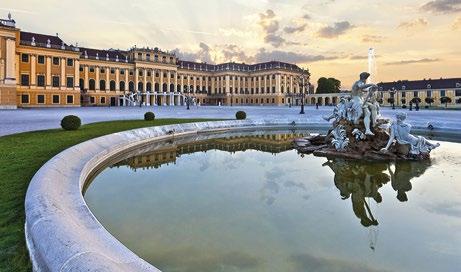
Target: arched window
{"points": [[157, 87], [149, 87], [171, 87], [197, 89], [131, 86], [164, 87], [81, 82], [122, 86], [112, 85], [191, 89], [140, 86], [92, 84], [102, 85]]}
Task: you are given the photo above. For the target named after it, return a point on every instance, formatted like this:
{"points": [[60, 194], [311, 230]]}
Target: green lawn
{"points": [[21, 155]]}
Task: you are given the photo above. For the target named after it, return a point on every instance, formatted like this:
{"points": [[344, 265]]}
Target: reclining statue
{"points": [[400, 132]]}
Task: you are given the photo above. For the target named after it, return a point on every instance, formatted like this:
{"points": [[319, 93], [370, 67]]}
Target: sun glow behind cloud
{"points": [[413, 39]]}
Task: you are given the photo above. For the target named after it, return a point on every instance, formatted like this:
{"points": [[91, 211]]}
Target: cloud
{"points": [[306, 17], [202, 55], [294, 29], [274, 39], [291, 57], [403, 62], [419, 22], [449, 208], [372, 38], [268, 22], [336, 30], [232, 52], [306, 262], [442, 6], [457, 23]]}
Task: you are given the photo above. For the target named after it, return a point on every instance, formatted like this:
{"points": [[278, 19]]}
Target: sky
{"points": [[412, 39]]}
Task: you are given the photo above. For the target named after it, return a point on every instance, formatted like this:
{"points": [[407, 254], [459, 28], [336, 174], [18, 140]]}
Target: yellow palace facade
{"points": [[38, 70]]}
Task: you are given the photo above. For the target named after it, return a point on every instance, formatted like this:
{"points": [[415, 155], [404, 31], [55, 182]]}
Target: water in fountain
{"points": [[372, 68]]}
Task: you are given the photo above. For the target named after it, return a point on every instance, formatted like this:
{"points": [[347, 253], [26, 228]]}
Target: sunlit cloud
{"points": [[335, 30], [419, 22], [442, 6], [403, 62]]}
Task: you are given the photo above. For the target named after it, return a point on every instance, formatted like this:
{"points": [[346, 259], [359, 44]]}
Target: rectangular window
{"points": [[25, 57], [41, 99], [140, 73], [415, 94], [102, 70], [458, 92], [428, 93], [41, 59], [24, 80], [403, 94], [55, 81], [70, 62], [131, 72], [103, 100], [92, 100], [70, 99], [55, 99], [112, 70], [25, 99], [442, 93], [91, 69], [122, 72], [55, 61], [70, 82], [80, 69], [148, 73], [41, 80]]}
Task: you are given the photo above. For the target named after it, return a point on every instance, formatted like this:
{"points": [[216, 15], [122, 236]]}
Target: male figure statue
{"points": [[357, 103]]}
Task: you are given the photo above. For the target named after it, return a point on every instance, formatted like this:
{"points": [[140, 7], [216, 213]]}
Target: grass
{"points": [[21, 155]]}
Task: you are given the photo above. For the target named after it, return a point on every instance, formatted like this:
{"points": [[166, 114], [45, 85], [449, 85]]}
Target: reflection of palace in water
{"points": [[271, 143]]}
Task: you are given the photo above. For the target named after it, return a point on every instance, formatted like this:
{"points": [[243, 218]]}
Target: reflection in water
{"points": [[251, 203]]}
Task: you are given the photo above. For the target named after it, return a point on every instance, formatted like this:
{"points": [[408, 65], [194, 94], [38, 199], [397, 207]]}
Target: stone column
{"points": [[96, 80], [48, 72], [168, 81], [260, 85], [144, 80], [136, 79], [127, 80], [77, 74], [107, 79], [117, 80], [181, 88], [10, 60], [86, 83], [33, 72], [161, 81], [63, 72], [175, 89], [277, 84], [291, 84], [227, 84]]}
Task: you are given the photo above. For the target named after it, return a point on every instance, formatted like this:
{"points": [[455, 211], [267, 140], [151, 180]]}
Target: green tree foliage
{"points": [[445, 100], [328, 85]]}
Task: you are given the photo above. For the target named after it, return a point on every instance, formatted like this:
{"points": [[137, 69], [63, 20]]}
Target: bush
{"points": [[149, 116], [241, 115], [404, 106], [71, 122]]}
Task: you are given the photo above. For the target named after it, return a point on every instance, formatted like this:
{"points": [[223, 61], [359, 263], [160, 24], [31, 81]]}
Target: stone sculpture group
{"points": [[359, 132]]}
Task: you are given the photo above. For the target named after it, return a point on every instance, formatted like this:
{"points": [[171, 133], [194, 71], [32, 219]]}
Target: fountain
{"points": [[359, 132]]}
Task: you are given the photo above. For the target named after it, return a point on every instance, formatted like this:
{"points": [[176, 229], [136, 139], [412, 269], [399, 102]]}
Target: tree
{"points": [[429, 100], [445, 100], [328, 85]]}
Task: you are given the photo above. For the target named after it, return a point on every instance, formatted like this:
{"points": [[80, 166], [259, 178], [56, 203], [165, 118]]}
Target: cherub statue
{"points": [[370, 110], [400, 132]]}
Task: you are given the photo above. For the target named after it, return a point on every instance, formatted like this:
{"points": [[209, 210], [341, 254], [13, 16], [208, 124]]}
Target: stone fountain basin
{"points": [[62, 234]]}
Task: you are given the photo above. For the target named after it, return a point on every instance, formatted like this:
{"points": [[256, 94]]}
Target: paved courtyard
{"points": [[21, 120]]}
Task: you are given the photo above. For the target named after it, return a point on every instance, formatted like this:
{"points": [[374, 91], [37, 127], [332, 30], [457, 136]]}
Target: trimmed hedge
{"points": [[71, 122], [149, 116], [241, 115]]}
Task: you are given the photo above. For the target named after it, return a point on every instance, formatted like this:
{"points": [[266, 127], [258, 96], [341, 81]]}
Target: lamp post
{"points": [[302, 85]]}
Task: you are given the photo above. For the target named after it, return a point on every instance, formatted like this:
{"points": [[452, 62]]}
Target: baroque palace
{"points": [[39, 70]]}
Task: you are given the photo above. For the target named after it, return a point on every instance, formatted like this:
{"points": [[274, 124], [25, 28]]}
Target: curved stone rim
{"points": [[62, 234]]}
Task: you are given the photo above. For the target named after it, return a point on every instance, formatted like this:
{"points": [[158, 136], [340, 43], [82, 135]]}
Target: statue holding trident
{"points": [[358, 106]]}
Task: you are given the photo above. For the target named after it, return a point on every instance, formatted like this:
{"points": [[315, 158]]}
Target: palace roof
{"points": [[425, 84]]}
